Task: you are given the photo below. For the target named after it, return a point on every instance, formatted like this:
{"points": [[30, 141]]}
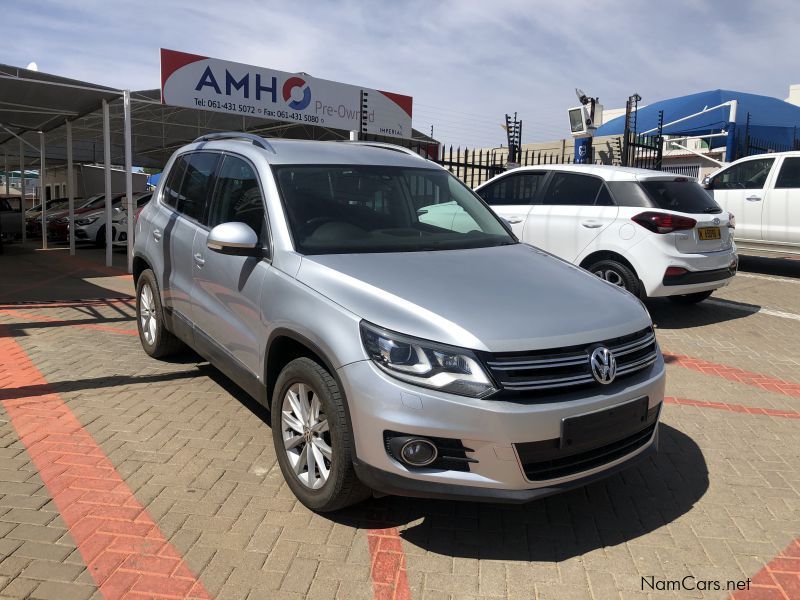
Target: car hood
{"points": [[501, 299]]}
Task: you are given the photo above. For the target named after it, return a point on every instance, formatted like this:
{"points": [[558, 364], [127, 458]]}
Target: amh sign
{"points": [[194, 81]]}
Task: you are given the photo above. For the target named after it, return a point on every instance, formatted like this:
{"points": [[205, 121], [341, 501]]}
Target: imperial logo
{"points": [[292, 84]]}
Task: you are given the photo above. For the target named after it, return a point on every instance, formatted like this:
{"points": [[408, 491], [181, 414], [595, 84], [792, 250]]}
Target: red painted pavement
{"points": [[17, 314], [770, 384], [389, 578], [739, 408], [122, 546], [779, 579]]}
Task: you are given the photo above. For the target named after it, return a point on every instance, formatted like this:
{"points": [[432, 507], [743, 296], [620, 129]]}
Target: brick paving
{"points": [[720, 502]]}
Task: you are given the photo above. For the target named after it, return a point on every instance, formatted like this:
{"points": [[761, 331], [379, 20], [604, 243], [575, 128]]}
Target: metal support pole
{"points": [[43, 196], [5, 172], [22, 183], [126, 105], [107, 162], [70, 190]]}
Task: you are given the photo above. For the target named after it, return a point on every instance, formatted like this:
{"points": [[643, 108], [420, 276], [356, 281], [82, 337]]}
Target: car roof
{"points": [[607, 172], [793, 153], [309, 152]]}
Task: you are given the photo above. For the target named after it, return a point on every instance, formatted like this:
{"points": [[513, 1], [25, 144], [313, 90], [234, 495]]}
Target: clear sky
{"points": [[465, 62]]}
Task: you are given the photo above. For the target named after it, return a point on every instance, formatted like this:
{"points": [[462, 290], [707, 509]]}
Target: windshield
{"points": [[94, 201], [352, 209], [681, 195]]}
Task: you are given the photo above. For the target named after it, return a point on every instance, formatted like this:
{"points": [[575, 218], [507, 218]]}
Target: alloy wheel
{"points": [[611, 276], [306, 435], [147, 315]]}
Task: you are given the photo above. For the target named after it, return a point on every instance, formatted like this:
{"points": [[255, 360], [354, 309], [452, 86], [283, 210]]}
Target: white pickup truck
{"points": [[763, 193]]}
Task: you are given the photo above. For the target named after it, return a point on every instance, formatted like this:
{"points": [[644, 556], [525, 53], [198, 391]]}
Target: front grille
{"points": [[547, 460], [558, 368]]}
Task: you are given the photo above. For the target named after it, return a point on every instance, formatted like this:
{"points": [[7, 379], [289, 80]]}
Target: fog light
{"points": [[418, 452]]}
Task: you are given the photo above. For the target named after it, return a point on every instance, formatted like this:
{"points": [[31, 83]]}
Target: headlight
{"points": [[86, 221], [446, 368]]}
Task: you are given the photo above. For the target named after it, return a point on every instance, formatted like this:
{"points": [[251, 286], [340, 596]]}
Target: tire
{"points": [[303, 388], [156, 340], [617, 273], [100, 238], [691, 298]]}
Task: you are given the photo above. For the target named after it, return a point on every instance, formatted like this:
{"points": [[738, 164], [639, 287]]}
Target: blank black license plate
{"points": [[604, 426]]}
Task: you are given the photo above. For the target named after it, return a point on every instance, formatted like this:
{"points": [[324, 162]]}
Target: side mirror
{"points": [[708, 182], [237, 239]]}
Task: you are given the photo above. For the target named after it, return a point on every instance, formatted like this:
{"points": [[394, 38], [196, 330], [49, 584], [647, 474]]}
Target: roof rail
{"points": [[256, 140], [387, 146]]}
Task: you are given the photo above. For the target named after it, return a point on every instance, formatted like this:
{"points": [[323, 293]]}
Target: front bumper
{"points": [[384, 482], [489, 429]]}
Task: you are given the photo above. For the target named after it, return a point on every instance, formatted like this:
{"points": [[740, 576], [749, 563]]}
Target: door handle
{"points": [[753, 199], [157, 235], [515, 220], [198, 258], [591, 224]]}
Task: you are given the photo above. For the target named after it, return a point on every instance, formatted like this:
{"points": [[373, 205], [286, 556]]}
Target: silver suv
{"points": [[396, 356]]}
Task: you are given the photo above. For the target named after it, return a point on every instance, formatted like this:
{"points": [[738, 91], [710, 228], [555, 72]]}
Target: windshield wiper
{"points": [[712, 209]]}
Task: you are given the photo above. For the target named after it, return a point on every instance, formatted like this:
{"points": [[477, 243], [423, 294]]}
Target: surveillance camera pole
{"points": [[583, 141], [514, 134]]}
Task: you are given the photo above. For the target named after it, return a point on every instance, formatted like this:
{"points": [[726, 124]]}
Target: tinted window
{"points": [[520, 188], [572, 189], [237, 196], [680, 195], [360, 208], [197, 184], [604, 197], [789, 177], [748, 175], [173, 184]]}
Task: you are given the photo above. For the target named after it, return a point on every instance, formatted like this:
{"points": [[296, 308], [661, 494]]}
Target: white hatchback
{"points": [[651, 232]]}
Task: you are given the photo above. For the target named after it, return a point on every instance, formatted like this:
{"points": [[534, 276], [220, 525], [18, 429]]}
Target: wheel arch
{"points": [[607, 255], [285, 345], [140, 264], [616, 256]]}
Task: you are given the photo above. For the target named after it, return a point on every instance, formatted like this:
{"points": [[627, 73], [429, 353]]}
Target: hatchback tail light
{"points": [[658, 222], [136, 214], [731, 221]]}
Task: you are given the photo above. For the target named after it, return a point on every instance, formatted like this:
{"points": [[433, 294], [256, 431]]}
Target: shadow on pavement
{"points": [[618, 509], [670, 315], [780, 267]]}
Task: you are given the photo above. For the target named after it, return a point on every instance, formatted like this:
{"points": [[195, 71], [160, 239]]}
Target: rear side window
{"points": [[680, 195], [173, 184], [197, 184], [789, 177], [572, 189], [520, 188], [237, 196], [748, 175]]}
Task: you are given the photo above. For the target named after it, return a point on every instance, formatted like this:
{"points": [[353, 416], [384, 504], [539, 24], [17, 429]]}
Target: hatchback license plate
{"points": [[708, 233]]}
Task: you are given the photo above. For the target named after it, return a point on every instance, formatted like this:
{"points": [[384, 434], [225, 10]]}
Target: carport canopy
{"points": [[46, 119]]}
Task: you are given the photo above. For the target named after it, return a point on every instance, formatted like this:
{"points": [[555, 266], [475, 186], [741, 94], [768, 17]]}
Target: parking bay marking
{"points": [[768, 277], [121, 545], [753, 308]]}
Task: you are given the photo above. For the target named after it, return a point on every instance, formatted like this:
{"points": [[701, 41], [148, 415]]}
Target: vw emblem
{"points": [[716, 221], [603, 364]]}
